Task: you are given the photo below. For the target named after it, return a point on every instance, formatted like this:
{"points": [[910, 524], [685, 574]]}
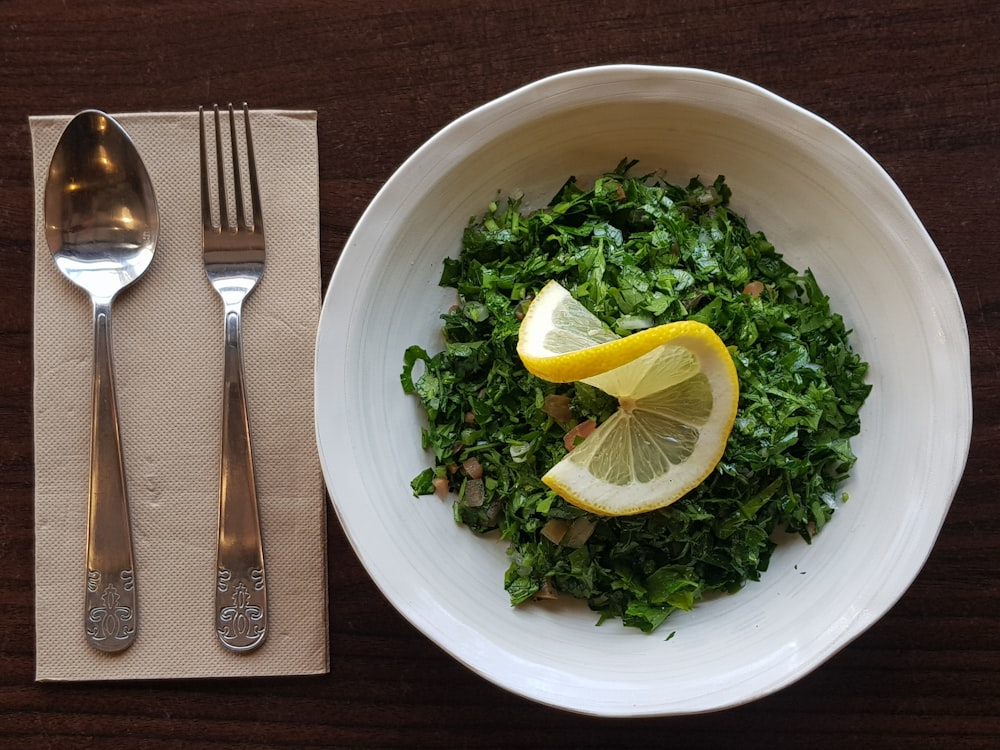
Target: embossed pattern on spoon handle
{"points": [[110, 600], [241, 591]]}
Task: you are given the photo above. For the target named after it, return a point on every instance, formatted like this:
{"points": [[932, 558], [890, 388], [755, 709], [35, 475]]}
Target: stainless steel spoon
{"points": [[101, 224]]}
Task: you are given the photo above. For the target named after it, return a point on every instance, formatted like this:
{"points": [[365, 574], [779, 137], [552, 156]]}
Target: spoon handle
{"points": [[241, 592], [110, 602]]}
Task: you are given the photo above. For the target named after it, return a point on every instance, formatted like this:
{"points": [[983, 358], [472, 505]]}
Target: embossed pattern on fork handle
{"points": [[110, 599], [241, 591]]}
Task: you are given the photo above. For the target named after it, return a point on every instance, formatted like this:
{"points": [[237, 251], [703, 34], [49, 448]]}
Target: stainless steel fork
{"points": [[234, 262]]}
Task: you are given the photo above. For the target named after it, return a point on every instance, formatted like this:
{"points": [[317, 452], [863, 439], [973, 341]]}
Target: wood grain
{"points": [[915, 82]]}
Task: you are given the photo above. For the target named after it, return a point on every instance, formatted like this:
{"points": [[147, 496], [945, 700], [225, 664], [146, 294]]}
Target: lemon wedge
{"points": [[677, 392]]}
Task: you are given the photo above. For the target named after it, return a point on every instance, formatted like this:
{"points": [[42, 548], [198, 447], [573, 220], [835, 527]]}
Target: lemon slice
{"points": [[677, 391]]}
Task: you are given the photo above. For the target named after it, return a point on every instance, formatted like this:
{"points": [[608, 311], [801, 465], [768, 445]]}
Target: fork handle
{"points": [[241, 591], [109, 601]]}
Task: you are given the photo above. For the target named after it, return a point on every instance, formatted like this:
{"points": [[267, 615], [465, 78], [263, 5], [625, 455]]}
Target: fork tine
{"points": [[241, 219], [221, 169], [206, 203], [258, 218]]}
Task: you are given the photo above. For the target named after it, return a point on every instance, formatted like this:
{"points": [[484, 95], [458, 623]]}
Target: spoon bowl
{"points": [[101, 221], [101, 225]]}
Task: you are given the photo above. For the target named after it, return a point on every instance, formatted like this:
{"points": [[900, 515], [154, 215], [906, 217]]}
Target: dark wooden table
{"points": [[915, 82]]}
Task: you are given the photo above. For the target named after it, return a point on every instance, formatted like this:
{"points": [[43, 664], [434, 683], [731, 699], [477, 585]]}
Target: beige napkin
{"points": [[167, 331]]}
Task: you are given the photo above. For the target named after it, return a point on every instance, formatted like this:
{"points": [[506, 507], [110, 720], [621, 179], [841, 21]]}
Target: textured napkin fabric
{"points": [[167, 343]]}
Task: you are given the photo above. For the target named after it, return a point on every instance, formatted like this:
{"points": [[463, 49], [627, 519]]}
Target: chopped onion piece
{"points": [[554, 530], [579, 532], [519, 452], [472, 468], [440, 487], [557, 407], [546, 590], [474, 493], [578, 433]]}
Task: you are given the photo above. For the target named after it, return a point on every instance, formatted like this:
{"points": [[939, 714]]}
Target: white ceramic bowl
{"points": [[826, 205]]}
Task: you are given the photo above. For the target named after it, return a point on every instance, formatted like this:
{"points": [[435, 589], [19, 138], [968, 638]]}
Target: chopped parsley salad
{"points": [[637, 252]]}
